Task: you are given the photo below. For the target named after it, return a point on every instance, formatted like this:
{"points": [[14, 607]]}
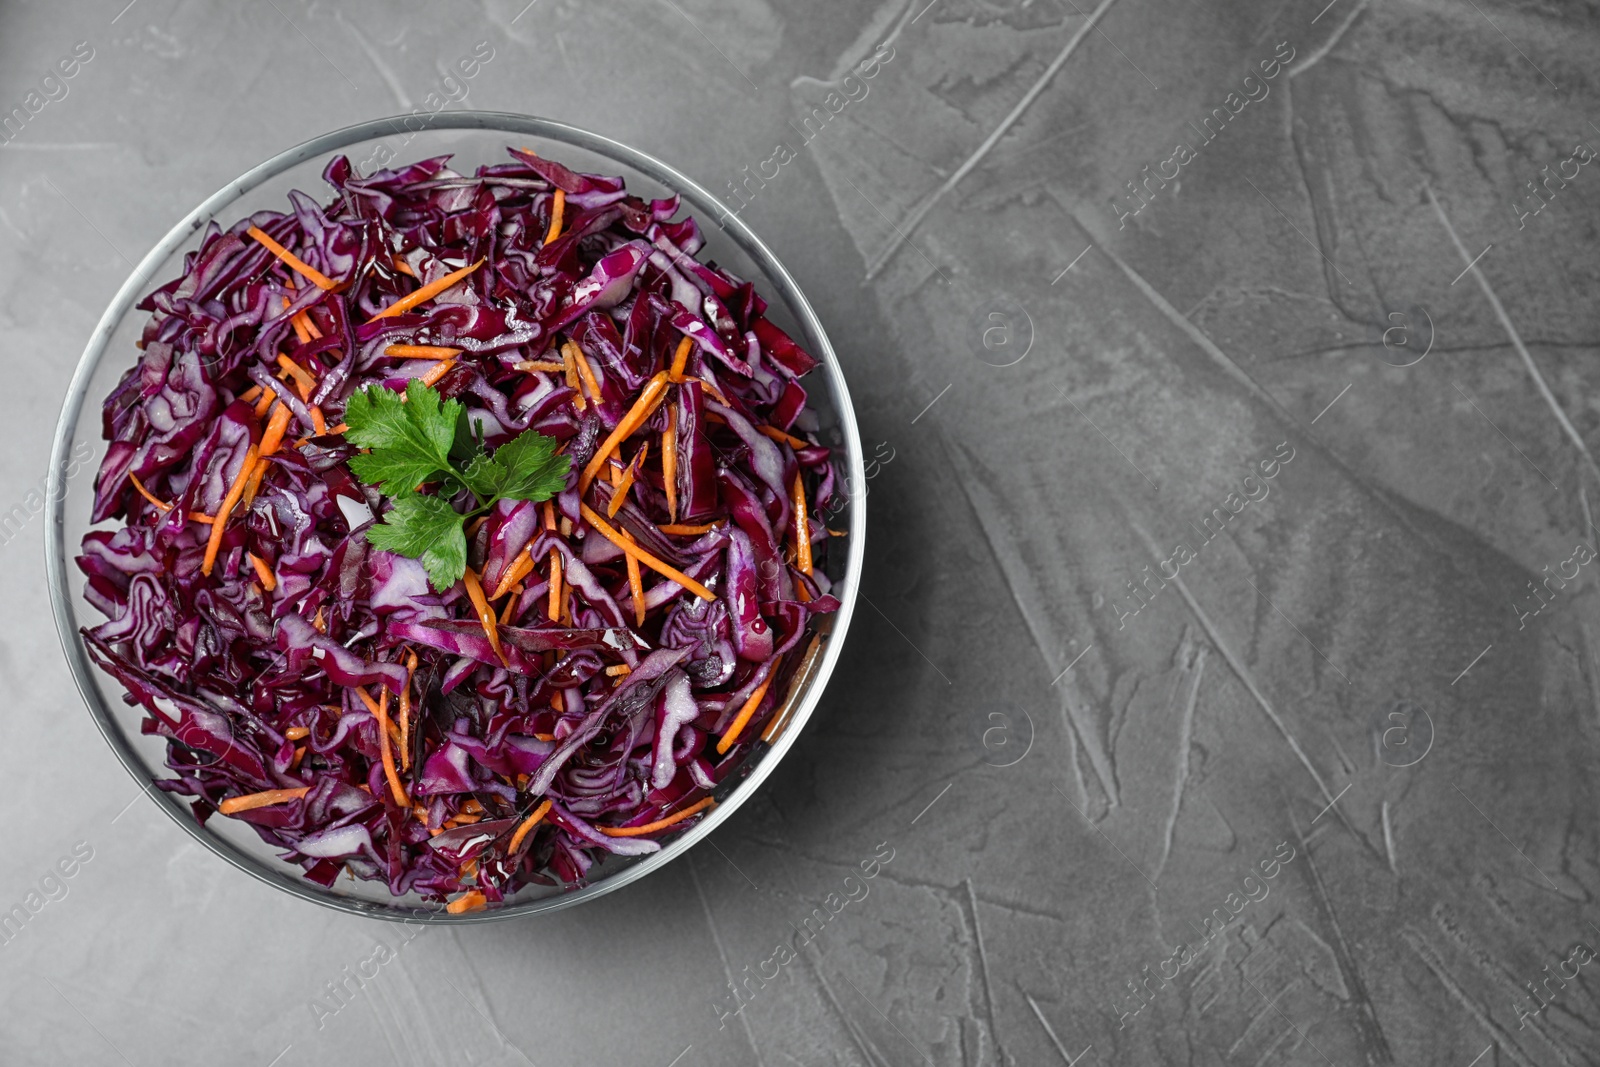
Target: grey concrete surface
{"points": [[1359, 724]]}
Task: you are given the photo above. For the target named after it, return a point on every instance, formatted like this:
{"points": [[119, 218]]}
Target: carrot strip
{"points": [[251, 801], [405, 711], [235, 491], [549, 515], [272, 438], [669, 462], [635, 585], [620, 670], [679, 528], [520, 568], [621, 485], [538, 364], [310, 273], [437, 371], [380, 711], [269, 581], [741, 720], [307, 324], [569, 371], [527, 825], [401, 266], [254, 487], [604, 529], [485, 613], [426, 293], [802, 526], [137, 484], [318, 423], [558, 213], [786, 438], [680, 360], [511, 605], [554, 610], [297, 733], [649, 398], [198, 517], [660, 824], [471, 900], [302, 377], [585, 371], [421, 351], [298, 321], [250, 394], [265, 401]]}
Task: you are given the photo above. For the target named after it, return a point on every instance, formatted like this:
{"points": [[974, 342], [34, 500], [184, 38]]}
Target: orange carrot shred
{"points": [[310, 273], [269, 581], [558, 212], [297, 733], [251, 801], [554, 611], [250, 394], [437, 371], [786, 438], [635, 584], [485, 613], [318, 423], [604, 529], [741, 720], [569, 371], [680, 359], [538, 364], [380, 711], [137, 484], [585, 372], [405, 711], [302, 377], [679, 528], [660, 824], [549, 515], [254, 486], [265, 402], [308, 324], [272, 438], [802, 526], [619, 670], [669, 462], [526, 826], [520, 568], [471, 900], [649, 398], [426, 293], [421, 351], [621, 486], [235, 491]]}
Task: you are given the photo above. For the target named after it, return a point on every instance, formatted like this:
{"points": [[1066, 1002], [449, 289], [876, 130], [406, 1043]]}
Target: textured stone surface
{"points": [[1070, 787]]}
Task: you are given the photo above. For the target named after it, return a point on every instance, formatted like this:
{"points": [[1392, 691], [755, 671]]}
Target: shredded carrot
{"points": [[538, 364], [380, 711], [520, 568], [526, 827], [137, 484], [558, 212], [421, 351], [269, 581], [318, 423], [649, 398], [249, 395], [555, 701], [604, 529], [301, 334], [462, 820], [554, 611], [310, 273], [680, 359], [341, 428], [621, 485], [405, 711], [802, 526], [741, 720], [235, 491], [585, 371], [251, 801], [426, 293], [786, 438], [255, 481], [549, 515], [485, 613], [669, 462], [471, 900], [272, 437], [302, 377], [265, 401], [297, 733], [321, 626], [437, 371], [199, 517], [660, 824], [679, 528], [635, 584], [306, 323], [619, 670], [569, 370], [511, 605], [401, 266]]}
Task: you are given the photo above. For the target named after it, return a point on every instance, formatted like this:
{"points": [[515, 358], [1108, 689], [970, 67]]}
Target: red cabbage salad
{"points": [[468, 529]]}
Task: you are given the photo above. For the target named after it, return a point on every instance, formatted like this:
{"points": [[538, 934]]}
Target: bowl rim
{"points": [[705, 206]]}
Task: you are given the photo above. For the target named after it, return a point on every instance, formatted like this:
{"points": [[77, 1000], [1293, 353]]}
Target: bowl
{"points": [[474, 137]]}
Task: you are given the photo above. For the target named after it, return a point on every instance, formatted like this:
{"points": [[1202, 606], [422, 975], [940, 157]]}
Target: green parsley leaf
{"points": [[426, 438], [524, 468], [426, 528], [410, 441]]}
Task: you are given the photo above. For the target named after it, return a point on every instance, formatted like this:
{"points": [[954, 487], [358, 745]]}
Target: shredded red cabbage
{"points": [[254, 673]]}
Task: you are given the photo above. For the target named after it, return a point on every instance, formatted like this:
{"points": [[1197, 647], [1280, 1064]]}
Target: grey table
{"points": [[1225, 687]]}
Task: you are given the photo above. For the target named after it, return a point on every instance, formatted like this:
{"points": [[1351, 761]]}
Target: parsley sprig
{"points": [[427, 439]]}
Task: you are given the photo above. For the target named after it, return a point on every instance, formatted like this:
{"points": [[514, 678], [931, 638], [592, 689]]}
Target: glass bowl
{"points": [[474, 137]]}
